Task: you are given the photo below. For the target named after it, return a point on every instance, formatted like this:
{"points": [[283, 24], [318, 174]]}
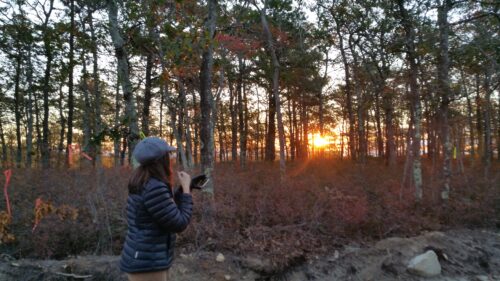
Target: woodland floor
{"points": [[470, 255], [266, 229]]}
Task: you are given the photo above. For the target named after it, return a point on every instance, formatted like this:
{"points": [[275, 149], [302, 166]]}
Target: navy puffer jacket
{"points": [[153, 219]]}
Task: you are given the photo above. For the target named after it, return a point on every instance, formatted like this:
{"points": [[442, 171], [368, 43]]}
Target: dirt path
{"points": [[465, 255]]}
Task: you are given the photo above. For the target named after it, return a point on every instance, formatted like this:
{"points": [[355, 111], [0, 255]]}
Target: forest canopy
{"points": [[251, 81]]}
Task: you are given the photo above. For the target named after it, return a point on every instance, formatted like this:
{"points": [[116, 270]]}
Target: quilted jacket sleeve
{"points": [[161, 205]]}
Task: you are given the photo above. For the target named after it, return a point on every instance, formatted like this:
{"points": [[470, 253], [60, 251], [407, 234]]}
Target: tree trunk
{"points": [[98, 134], [271, 129], [29, 110], [162, 102], [71, 106], [276, 72], [350, 113], [445, 92], [479, 121], [179, 129], [17, 107], [498, 130], [296, 143], [471, 127], [37, 126], [411, 57], [291, 129], [47, 40], [206, 98], [321, 99], [147, 95], [123, 68], [234, 127], [196, 131], [241, 113], [220, 129], [362, 145], [488, 148], [4, 144], [117, 125], [189, 150], [304, 143], [87, 126], [258, 130], [62, 119], [380, 140], [46, 91]]}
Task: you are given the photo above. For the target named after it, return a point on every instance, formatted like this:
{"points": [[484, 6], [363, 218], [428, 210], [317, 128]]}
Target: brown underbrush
{"points": [[320, 204]]}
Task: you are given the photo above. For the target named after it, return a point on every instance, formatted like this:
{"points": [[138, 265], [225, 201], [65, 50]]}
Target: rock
{"points": [[227, 277], [257, 264], [481, 278], [297, 276], [334, 257], [426, 265], [182, 269], [220, 258]]}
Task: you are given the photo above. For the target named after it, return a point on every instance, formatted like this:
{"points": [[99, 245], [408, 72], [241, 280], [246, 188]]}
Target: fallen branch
{"points": [[73, 275]]}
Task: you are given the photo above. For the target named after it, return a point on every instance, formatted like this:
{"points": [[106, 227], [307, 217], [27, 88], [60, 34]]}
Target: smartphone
{"points": [[199, 182]]}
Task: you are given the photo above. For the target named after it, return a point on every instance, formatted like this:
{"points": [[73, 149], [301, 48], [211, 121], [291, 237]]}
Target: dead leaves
{"points": [[5, 220], [43, 209]]}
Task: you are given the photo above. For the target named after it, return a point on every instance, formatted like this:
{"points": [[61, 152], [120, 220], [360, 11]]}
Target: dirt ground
{"points": [[465, 255]]}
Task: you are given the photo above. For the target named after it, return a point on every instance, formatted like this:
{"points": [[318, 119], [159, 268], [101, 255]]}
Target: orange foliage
{"points": [[5, 220], [238, 44], [42, 209]]}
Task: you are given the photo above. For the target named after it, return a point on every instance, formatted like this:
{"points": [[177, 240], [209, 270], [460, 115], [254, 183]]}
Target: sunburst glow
{"points": [[320, 141]]}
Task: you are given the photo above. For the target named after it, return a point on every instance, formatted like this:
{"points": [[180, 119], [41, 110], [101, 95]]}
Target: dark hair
{"points": [[160, 169]]}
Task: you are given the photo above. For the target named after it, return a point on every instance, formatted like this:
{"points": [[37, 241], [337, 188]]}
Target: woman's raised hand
{"points": [[185, 180]]}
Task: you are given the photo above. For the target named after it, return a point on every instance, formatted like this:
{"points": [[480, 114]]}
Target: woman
{"points": [[153, 216]]}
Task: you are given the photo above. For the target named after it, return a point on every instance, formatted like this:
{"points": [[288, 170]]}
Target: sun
{"points": [[319, 141]]}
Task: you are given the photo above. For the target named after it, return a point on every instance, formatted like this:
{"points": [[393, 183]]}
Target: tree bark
{"points": [[378, 123], [221, 129], [29, 110], [62, 119], [71, 106], [37, 126], [123, 68], [291, 129], [234, 127], [87, 126], [276, 72], [411, 57], [362, 145], [17, 107], [147, 95], [271, 129], [196, 131], [47, 41], [179, 129], [445, 92], [4, 144], [321, 98], [207, 99], [241, 113], [189, 141], [479, 119], [117, 135], [348, 92], [98, 133], [488, 146]]}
